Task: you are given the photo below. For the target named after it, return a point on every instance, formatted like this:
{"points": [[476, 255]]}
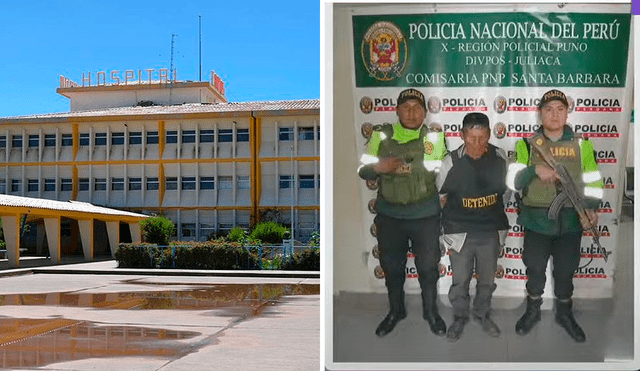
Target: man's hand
{"points": [[387, 165], [546, 174], [593, 219]]}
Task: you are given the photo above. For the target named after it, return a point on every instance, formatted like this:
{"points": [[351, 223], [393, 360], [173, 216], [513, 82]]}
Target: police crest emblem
{"points": [[428, 147], [500, 130], [384, 51]]}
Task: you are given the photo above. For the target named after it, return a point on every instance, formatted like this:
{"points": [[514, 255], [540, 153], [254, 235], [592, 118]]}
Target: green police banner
{"points": [[491, 49], [466, 59]]}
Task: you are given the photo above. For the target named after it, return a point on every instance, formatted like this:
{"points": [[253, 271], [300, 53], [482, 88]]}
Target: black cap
{"points": [[553, 95], [407, 94], [474, 119]]}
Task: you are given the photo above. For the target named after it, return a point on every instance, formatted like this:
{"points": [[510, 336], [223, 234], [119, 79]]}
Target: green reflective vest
{"points": [[567, 153], [413, 182]]}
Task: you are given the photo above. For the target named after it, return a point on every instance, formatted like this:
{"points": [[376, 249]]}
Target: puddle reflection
{"points": [[207, 297], [37, 342]]}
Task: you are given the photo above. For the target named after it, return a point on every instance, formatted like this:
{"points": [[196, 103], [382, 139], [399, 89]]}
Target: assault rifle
{"points": [[568, 191]]}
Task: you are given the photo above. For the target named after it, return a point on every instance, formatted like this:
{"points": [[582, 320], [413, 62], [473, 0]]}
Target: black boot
{"points": [[564, 317], [530, 317], [430, 313], [397, 313], [455, 330]]}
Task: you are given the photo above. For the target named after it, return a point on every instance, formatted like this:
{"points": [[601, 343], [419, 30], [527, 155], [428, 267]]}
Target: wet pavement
{"points": [[139, 322]]}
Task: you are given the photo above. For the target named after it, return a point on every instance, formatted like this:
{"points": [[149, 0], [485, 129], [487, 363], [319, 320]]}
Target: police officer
{"points": [[544, 237], [404, 158], [472, 181]]}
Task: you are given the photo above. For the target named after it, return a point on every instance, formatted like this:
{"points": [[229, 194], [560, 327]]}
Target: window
{"points": [[171, 183], [318, 133], [83, 184], [243, 182], [152, 184], [242, 135], [207, 182], [225, 227], [172, 136], [49, 185], [3, 141], [16, 141], [84, 139], [225, 182], [225, 135], [16, 185], [188, 229], [100, 184], [285, 181], [285, 134], [207, 230], [3, 186], [152, 137], [32, 185], [100, 139], [117, 139], [135, 137], [34, 140], [49, 140], [66, 184], [135, 184], [207, 136], [117, 184], [67, 140], [306, 181], [188, 182], [305, 133], [188, 136]]}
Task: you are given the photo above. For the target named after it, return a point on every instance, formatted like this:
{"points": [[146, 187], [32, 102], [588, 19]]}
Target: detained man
{"points": [[472, 185]]}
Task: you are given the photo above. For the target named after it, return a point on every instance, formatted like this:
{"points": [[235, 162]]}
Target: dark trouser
{"points": [[393, 241], [481, 248], [565, 250]]}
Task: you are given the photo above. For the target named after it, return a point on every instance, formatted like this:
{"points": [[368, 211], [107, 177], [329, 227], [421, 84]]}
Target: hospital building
{"points": [[164, 146]]}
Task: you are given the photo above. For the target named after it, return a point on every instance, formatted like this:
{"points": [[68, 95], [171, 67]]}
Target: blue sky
{"points": [[262, 50]]}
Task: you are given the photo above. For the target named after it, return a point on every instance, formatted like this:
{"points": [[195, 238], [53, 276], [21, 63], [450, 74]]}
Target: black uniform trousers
{"points": [[565, 249], [393, 241]]}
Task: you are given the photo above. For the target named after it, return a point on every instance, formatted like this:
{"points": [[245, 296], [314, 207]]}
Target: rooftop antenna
{"points": [[171, 67], [200, 47]]}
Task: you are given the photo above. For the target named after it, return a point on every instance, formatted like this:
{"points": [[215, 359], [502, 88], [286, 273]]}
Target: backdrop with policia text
{"points": [[500, 63]]}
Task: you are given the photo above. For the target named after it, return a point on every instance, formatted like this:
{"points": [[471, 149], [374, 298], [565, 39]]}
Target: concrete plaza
{"points": [[94, 316]]}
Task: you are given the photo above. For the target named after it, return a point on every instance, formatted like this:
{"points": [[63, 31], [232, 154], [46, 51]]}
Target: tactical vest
{"points": [[413, 183], [566, 152]]}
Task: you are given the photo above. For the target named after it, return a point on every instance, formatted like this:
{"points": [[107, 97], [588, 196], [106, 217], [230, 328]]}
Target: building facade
{"points": [[172, 148]]}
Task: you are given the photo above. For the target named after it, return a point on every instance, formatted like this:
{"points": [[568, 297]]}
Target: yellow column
{"points": [[76, 140], [254, 122], [74, 187]]}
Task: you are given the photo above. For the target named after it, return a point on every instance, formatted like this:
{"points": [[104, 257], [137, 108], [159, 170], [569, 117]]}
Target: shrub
{"points": [[157, 230], [130, 255], [188, 255], [237, 234], [308, 260], [268, 232], [315, 239]]}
